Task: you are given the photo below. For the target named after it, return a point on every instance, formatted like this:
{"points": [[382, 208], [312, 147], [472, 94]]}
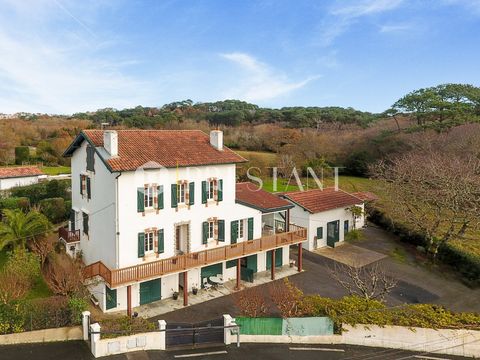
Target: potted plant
{"points": [[175, 295], [194, 289]]}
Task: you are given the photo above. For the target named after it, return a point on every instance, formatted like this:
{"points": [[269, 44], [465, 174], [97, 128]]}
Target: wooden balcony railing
{"points": [[69, 236], [184, 262]]}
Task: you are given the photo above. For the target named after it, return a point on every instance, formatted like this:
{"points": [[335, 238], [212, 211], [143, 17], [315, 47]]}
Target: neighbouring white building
{"points": [[326, 215], [13, 176], [158, 212]]}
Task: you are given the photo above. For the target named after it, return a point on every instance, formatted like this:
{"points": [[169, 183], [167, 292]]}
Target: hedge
{"points": [[15, 203], [54, 209], [465, 263]]}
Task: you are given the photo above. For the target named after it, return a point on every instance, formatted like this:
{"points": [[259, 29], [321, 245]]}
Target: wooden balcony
{"points": [[184, 262], [69, 236]]}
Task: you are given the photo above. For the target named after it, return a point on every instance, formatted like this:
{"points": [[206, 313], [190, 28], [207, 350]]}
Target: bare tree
{"points": [[43, 247], [368, 282], [64, 275], [251, 302], [13, 286], [287, 298], [434, 193]]}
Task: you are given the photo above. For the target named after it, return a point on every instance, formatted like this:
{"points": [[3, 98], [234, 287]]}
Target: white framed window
{"points": [[241, 229], [149, 195], [211, 189], [149, 241], [211, 229], [182, 192]]}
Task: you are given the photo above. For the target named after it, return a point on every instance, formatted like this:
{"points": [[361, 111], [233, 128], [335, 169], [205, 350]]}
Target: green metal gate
{"points": [[150, 291], [278, 258], [333, 232]]}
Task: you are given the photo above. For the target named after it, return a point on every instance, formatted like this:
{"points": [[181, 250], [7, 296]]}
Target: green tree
{"points": [[18, 227]]}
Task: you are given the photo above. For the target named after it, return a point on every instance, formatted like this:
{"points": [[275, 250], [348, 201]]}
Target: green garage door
{"points": [[278, 258], [150, 291]]}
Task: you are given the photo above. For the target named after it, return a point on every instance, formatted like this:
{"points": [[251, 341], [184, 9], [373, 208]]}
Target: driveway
{"points": [[417, 283]]}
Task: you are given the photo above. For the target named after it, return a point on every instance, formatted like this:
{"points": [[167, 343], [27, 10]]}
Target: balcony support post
{"points": [[273, 264], [129, 301], [239, 274], [299, 262], [185, 288], [287, 220]]}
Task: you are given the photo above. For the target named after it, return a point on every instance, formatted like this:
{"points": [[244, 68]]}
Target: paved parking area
{"points": [[351, 255]]}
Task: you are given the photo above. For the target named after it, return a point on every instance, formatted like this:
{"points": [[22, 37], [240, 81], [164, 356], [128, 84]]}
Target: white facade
{"points": [[8, 183], [114, 221], [312, 222]]}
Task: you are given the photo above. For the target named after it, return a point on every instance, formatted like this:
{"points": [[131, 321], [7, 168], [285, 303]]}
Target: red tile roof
{"points": [[251, 195], [365, 195], [319, 200], [19, 171], [169, 148]]}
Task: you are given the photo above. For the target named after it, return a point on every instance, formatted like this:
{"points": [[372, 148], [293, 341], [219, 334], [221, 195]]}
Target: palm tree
{"points": [[18, 227]]}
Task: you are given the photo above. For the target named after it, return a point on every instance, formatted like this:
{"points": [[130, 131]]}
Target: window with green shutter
{"points": [[191, 193], [141, 244], [220, 190], [160, 197], [81, 185], [204, 232], [233, 232], [204, 192], [161, 241], [221, 230], [140, 199], [250, 228], [174, 195], [320, 232], [90, 158], [85, 223]]}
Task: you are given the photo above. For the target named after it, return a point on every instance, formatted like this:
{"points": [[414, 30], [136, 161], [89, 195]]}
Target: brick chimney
{"points": [[110, 142], [216, 139]]}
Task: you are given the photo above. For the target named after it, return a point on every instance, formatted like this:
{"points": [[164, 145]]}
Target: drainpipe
{"points": [[117, 227]]}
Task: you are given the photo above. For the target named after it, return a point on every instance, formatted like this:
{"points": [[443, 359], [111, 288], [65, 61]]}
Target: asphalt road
{"points": [[78, 350]]}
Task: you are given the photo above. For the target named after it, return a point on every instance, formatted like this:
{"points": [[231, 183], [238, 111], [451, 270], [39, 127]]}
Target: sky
{"points": [[65, 56]]}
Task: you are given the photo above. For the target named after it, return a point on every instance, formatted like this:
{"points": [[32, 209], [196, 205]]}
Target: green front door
{"points": [[150, 291], [111, 298], [333, 232], [249, 267], [278, 258]]}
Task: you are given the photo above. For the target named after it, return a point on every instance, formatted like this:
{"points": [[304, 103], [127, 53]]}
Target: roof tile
{"points": [[19, 171], [251, 195], [319, 200]]}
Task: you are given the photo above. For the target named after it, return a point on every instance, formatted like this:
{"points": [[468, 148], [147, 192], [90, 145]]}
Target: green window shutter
{"points": [[174, 195], [320, 232], [81, 188], [191, 193], [89, 189], [220, 190], [233, 232], [204, 192], [161, 242], [141, 244], [250, 228], [85, 223], [221, 230], [160, 197], [204, 232], [140, 199]]}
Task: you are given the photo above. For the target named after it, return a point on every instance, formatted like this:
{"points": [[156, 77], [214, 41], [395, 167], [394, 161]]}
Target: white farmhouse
{"points": [[326, 214], [155, 213], [13, 176]]}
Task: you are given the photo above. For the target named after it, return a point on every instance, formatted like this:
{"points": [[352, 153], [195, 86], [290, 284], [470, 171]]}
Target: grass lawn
{"points": [[56, 170], [267, 157], [39, 290]]}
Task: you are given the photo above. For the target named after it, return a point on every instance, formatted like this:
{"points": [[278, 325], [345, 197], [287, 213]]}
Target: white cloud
{"points": [[47, 69], [395, 28], [260, 81], [346, 13]]}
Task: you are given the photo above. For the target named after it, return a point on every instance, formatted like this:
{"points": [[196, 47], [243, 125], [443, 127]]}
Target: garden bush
{"points": [[54, 209], [44, 190], [22, 154], [125, 325], [15, 203]]}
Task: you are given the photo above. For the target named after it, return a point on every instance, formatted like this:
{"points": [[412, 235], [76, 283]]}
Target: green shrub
{"points": [[125, 326], [354, 235], [53, 209], [44, 190], [13, 203], [76, 306], [23, 263], [22, 154], [12, 318]]}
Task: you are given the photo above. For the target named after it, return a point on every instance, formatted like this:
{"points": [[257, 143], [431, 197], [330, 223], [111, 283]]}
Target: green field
{"points": [[267, 157], [56, 170]]}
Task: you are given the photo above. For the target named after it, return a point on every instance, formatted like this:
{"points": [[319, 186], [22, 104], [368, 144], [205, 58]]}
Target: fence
{"points": [[308, 326]]}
